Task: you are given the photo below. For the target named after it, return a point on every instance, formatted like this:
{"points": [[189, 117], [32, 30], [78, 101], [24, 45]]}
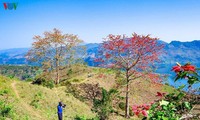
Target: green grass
{"points": [[45, 99]]}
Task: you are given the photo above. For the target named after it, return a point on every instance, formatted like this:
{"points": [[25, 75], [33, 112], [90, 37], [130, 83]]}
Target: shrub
{"points": [[69, 72], [103, 107], [41, 80], [84, 118], [122, 105], [75, 80], [37, 98], [4, 91], [5, 109], [50, 84], [173, 106], [80, 118]]}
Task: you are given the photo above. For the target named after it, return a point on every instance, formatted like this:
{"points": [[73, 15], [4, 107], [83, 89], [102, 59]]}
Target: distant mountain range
{"points": [[175, 51], [14, 56]]}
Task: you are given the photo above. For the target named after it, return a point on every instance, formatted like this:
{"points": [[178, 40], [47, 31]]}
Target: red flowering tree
{"points": [[134, 55]]}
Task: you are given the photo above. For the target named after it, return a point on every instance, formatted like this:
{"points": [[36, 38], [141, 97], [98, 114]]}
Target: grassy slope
{"points": [[142, 91], [21, 94], [34, 102]]}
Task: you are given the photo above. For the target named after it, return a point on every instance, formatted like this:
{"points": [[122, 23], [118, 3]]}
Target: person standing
{"points": [[60, 110]]}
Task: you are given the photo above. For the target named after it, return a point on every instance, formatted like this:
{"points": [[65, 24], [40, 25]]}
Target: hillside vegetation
{"points": [[25, 101], [32, 102]]}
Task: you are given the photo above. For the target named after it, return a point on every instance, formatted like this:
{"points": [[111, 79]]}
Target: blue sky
{"points": [[93, 20]]}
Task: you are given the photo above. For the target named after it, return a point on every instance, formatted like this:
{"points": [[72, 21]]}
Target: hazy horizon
{"points": [[93, 20]]}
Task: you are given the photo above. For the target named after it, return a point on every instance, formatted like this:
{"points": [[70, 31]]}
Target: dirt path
{"points": [[24, 104]]}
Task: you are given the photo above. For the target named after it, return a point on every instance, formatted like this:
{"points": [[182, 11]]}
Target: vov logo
{"points": [[10, 6]]}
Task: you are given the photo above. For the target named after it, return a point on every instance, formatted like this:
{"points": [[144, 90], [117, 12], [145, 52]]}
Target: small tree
{"points": [[53, 51], [133, 55], [103, 107]]}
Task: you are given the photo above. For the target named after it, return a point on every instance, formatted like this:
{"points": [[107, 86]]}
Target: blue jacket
{"points": [[60, 109]]}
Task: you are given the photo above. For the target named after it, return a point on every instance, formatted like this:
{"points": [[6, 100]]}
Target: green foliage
{"points": [[75, 80], [163, 111], [69, 72], [103, 107], [5, 110], [25, 76], [11, 76], [42, 80], [80, 118], [22, 72], [122, 105], [29, 80], [130, 111], [37, 98], [84, 118], [172, 106], [4, 91], [50, 84]]}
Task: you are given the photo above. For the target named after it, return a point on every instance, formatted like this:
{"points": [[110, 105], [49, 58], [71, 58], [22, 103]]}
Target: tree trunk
{"points": [[57, 72], [57, 67], [127, 96]]}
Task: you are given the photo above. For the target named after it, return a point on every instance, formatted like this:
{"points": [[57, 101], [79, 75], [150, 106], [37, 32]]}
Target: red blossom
{"points": [[147, 107], [144, 112], [137, 113], [159, 94], [134, 107], [176, 68], [137, 109], [189, 68], [108, 56], [151, 103]]}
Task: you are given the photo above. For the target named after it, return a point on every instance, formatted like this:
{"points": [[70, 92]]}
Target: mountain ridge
{"points": [[177, 51]]}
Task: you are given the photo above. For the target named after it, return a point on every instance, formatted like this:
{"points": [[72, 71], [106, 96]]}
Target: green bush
{"points": [[4, 91], [5, 109], [80, 118], [36, 100], [29, 80], [75, 80], [131, 111], [41, 80], [50, 84], [84, 118], [66, 83], [35, 103], [122, 105], [69, 72], [103, 107]]}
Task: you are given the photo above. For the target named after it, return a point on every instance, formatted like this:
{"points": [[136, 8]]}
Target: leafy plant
{"points": [[43, 80], [5, 109], [173, 106], [37, 98], [103, 107], [84, 118]]}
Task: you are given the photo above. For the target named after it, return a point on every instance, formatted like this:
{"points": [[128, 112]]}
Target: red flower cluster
{"points": [[177, 68], [159, 94], [108, 56], [137, 109], [186, 67]]}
